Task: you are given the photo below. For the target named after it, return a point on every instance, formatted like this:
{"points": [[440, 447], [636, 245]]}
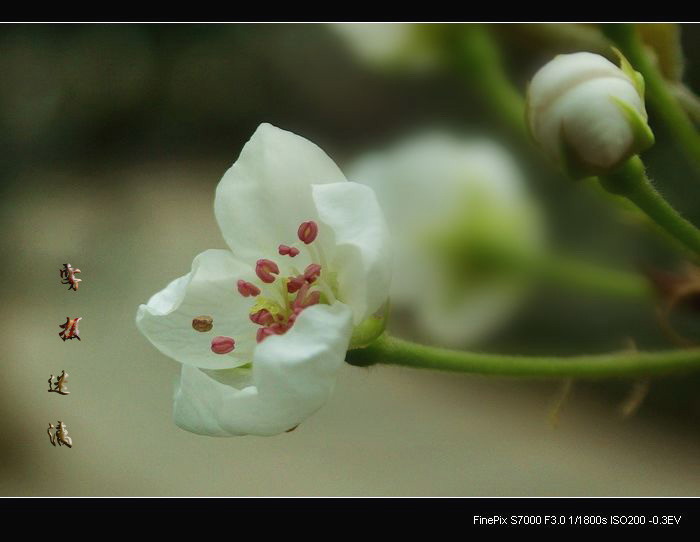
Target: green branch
{"points": [[392, 351], [587, 277], [478, 57], [550, 266]]}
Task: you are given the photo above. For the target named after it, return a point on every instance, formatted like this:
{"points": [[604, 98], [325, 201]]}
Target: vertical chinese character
{"points": [[60, 435], [70, 329], [68, 275], [60, 386]]}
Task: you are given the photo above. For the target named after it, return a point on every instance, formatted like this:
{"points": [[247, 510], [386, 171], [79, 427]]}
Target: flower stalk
{"points": [[393, 351], [630, 180]]}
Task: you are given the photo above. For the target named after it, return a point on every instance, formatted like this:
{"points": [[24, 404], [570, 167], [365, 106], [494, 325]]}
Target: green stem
{"points": [[478, 57], [588, 277], [659, 93], [689, 100], [550, 266], [631, 181], [393, 351]]}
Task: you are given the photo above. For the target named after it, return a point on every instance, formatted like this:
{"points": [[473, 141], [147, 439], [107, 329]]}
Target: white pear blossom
{"points": [[392, 45], [261, 330], [436, 189], [587, 113]]}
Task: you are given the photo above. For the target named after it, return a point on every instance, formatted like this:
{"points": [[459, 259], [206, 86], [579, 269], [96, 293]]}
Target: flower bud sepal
{"points": [[641, 132], [636, 77]]}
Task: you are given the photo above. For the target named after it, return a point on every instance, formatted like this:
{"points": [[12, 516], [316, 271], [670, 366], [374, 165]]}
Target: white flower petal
{"points": [[596, 125], [362, 257], [209, 289], [564, 72], [292, 376], [266, 194]]}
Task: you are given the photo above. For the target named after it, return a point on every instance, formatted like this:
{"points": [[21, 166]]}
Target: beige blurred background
{"points": [[125, 193]]}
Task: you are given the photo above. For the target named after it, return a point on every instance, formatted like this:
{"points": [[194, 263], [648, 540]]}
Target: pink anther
{"points": [[308, 231], [274, 329], [266, 270], [284, 250], [247, 289], [313, 299], [263, 333], [312, 272], [263, 317], [222, 345], [295, 283], [305, 299]]}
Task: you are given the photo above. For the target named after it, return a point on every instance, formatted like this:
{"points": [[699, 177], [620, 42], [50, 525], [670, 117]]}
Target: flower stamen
{"points": [[202, 323], [312, 272], [305, 298], [263, 317], [266, 270], [274, 329], [274, 314], [295, 283], [246, 289], [307, 232], [222, 345], [285, 250]]}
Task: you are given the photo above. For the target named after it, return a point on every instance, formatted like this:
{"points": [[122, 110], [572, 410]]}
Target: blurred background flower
{"points": [[447, 200], [394, 46], [112, 141]]}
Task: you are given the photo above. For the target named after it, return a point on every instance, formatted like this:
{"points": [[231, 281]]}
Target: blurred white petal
{"points": [[432, 185]]}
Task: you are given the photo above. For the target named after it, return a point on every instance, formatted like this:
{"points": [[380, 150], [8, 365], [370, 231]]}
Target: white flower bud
{"points": [[587, 113]]}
